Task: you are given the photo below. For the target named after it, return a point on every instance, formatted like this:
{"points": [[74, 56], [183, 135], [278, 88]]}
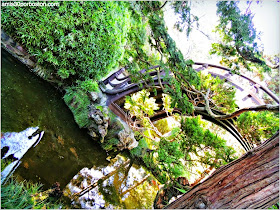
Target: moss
{"points": [[78, 102], [109, 144]]}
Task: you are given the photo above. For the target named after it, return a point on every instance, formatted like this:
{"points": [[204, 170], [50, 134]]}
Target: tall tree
{"points": [[251, 181], [238, 45]]}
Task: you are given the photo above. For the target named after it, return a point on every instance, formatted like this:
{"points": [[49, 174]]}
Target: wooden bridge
{"points": [[119, 84]]}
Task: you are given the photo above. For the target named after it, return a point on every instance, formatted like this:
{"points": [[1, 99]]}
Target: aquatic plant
{"points": [[19, 195], [22, 194]]}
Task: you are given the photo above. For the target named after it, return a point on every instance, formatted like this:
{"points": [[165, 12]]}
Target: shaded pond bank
{"points": [[28, 101]]}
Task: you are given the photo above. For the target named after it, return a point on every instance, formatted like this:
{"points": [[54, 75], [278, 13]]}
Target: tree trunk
{"points": [[251, 181]]}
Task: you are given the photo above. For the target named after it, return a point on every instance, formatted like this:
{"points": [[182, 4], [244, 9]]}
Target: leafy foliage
{"points": [[196, 140], [80, 42], [257, 126], [171, 58], [81, 39], [174, 156], [238, 44], [19, 195], [187, 19], [273, 84], [140, 104], [222, 95], [137, 151]]}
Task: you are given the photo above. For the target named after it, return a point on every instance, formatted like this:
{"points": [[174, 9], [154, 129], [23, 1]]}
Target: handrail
{"points": [[266, 90], [205, 65], [126, 87]]}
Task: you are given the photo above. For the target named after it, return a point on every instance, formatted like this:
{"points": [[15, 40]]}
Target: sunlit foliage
{"points": [[189, 147], [172, 156], [140, 104], [222, 94], [258, 126], [22, 194]]}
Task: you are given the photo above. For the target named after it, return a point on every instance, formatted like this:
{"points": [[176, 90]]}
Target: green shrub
{"points": [[20, 195], [257, 126], [88, 85], [85, 39], [137, 151], [176, 155]]}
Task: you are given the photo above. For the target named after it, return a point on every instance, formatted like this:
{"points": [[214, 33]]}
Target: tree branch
{"points": [[254, 59], [272, 108], [266, 107], [160, 7]]}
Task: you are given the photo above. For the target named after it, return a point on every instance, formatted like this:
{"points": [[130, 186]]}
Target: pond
{"points": [[28, 101], [65, 149]]}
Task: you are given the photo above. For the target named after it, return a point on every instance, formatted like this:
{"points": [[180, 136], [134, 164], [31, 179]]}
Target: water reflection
{"points": [[14, 145], [119, 185]]}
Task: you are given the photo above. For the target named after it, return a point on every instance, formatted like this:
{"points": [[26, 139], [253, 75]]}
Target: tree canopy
{"points": [[238, 45]]}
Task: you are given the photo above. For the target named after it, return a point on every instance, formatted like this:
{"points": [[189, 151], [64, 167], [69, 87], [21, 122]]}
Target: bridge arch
{"points": [[119, 84]]}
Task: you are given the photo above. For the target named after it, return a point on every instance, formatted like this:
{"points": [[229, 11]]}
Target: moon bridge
{"points": [[119, 84]]}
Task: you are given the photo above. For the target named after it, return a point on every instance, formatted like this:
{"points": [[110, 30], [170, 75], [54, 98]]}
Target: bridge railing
{"points": [[124, 83], [229, 75], [119, 84]]}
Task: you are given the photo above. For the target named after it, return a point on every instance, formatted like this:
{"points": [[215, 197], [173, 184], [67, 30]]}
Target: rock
{"points": [[103, 132], [93, 96], [4, 151], [133, 145], [22, 50], [106, 125], [127, 140], [15, 145], [4, 36], [92, 134], [100, 122], [96, 115], [97, 119]]}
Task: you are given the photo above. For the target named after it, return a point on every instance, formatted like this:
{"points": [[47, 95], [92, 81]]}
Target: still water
{"points": [[28, 101], [65, 151]]}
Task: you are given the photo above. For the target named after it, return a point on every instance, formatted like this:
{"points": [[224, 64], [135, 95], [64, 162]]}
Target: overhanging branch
{"points": [[266, 107], [254, 59]]}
